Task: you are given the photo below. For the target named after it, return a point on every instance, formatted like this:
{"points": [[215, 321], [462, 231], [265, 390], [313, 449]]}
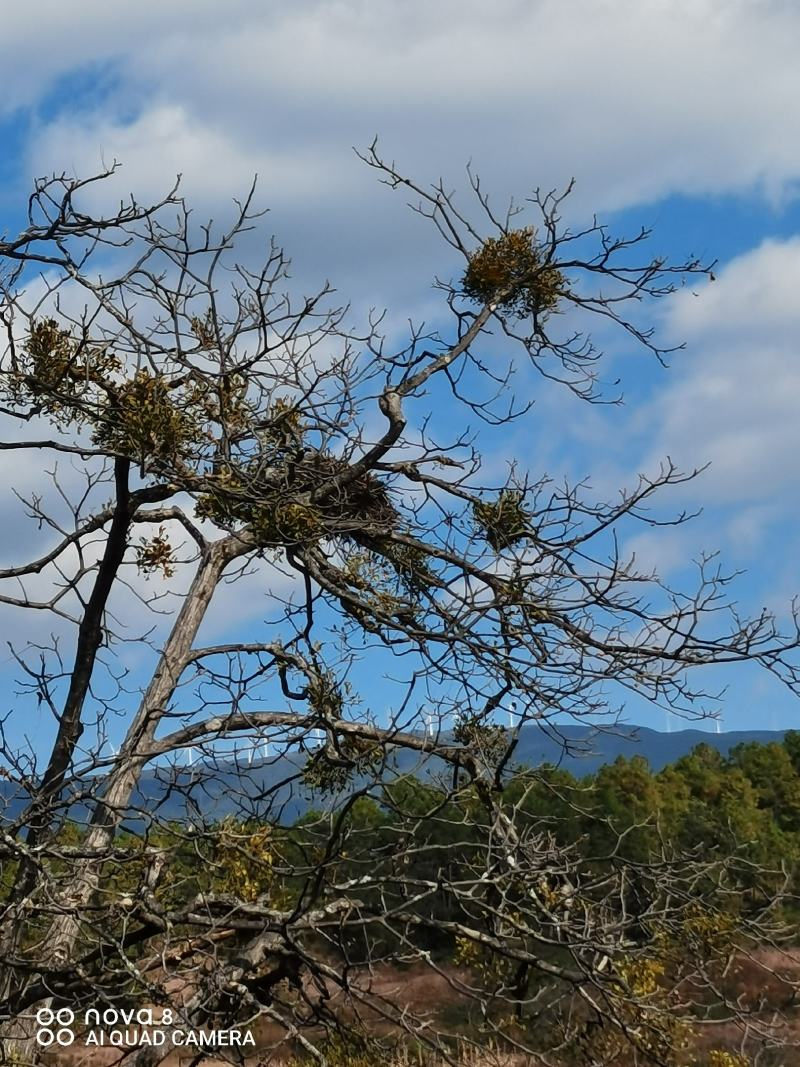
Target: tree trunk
{"points": [[134, 753], [133, 757]]}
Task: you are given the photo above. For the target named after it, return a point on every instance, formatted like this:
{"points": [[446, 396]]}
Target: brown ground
{"points": [[767, 981]]}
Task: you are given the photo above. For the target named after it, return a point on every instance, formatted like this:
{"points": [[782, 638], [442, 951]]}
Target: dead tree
{"points": [[198, 424]]}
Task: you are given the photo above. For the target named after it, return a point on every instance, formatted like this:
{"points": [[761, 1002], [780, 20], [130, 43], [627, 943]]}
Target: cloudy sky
{"points": [[676, 114]]}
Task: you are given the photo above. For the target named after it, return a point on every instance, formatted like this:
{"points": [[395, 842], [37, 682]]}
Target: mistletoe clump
{"points": [[242, 497], [144, 422], [333, 766], [510, 272], [287, 523], [391, 578], [488, 740], [61, 374], [504, 521], [409, 562], [325, 696], [155, 554], [51, 357]]}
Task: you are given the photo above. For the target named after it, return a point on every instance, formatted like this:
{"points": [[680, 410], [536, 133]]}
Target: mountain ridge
{"points": [[214, 788]]}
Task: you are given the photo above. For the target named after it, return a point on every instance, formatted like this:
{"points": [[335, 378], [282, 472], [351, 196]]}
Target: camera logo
{"points": [[55, 1027]]}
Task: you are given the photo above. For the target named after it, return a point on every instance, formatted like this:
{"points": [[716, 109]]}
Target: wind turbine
{"points": [[429, 725], [191, 754], [512, 711], [252, 752]]}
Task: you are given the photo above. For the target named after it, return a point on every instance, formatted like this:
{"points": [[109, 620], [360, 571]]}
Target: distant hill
{"points": [[212, 791], [582, 750]]}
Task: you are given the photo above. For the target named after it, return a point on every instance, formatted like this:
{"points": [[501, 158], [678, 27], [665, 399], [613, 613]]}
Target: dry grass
{"points": [[765, 982]]}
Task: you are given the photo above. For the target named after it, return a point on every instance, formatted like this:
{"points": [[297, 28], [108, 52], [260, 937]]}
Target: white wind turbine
{"points": [[257, 744], [191, 756]]}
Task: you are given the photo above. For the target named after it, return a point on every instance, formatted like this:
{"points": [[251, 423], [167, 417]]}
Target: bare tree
{"points": [[199, 424]]}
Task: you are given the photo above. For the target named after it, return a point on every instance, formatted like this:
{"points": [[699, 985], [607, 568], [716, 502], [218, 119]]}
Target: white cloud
{"points": [[638, 98], [754, 300], [735, 397], [39, 46], [163, 142]]}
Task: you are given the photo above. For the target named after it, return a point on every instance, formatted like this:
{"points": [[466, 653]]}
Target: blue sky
{"points": [[678, 115]]}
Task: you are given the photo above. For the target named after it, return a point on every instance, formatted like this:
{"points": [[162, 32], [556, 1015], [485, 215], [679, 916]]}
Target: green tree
{"points": [[625, 819], [770, 771]]}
